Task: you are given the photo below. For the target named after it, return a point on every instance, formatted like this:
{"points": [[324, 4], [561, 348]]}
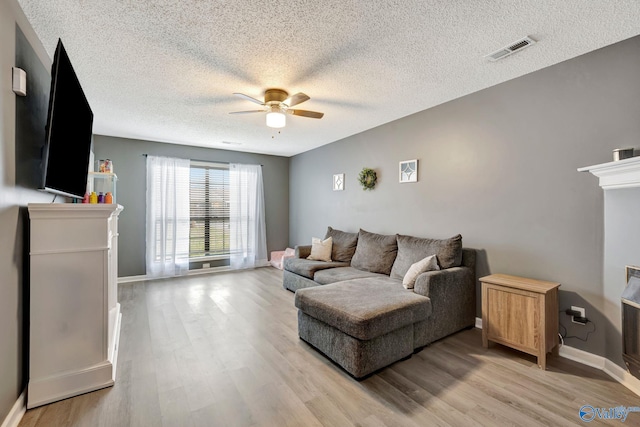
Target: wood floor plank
{"points": [[446, 412], [32, 416], [224, 412], [174, 407], [116, 403], [395, 400], [223, 350], [327, 413], [490, 387]]}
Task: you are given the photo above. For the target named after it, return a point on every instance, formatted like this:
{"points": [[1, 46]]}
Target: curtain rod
{"points": [[198, 160]]}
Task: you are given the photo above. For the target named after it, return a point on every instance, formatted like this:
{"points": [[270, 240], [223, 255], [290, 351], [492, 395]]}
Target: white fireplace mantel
{"points": [[618, 174]]}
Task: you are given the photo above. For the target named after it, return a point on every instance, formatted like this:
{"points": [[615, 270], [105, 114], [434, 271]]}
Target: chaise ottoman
{"points": [[363, 324]]}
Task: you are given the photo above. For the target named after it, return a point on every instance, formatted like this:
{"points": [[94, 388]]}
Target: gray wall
{"points": [[499, 167], [130, 166], [621, 248], [19, 125]]}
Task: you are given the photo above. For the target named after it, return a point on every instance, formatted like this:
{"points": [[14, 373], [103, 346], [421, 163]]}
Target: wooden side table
{"points": [[520, 313]]}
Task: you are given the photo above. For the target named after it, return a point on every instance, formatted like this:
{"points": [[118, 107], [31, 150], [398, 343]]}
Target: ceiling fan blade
{"points": [[247, 112], [248, 98], [305, 113], [296, 99]]}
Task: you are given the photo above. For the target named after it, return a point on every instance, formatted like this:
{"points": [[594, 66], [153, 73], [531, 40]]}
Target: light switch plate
{"points": [[19, 79]]}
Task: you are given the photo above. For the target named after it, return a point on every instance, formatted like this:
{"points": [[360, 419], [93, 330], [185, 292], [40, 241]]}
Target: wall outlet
{"points": [[206, 265], [581, 311]]}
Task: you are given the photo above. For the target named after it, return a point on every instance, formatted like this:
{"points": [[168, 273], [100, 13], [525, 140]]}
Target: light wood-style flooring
{"points": [[223, 350]]}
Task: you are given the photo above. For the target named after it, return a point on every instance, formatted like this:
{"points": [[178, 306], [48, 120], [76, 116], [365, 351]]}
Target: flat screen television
{"points": [[68, 131]]}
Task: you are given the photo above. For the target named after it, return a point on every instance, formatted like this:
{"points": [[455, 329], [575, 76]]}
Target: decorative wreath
{"points": [[367, 178]]}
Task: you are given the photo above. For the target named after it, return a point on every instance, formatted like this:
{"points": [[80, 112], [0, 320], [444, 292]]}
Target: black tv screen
{"points": [[68, 132]]}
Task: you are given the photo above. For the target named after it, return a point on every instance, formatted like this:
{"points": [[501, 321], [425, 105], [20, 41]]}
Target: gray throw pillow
{"points": [[413, 249], [375, 252], [344, 244]]}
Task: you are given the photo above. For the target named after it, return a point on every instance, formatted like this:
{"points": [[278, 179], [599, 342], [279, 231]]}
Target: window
{"points": [[209, 210]]}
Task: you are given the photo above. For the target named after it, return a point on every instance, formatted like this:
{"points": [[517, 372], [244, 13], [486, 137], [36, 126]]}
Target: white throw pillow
{"points": [[321, 249], [427, 264]]}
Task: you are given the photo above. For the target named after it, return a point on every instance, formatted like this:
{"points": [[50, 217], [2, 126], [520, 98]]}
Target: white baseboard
{"points": [[610, 368], [622, 376], [113, 352], [582, 356], [72, 383], [209, 270], [132, 279], [69, 384], [144, 277], [17, 412]]}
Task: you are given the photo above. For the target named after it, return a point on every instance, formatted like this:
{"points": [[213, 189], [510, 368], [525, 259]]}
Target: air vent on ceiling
{"points": [[510, 49]]}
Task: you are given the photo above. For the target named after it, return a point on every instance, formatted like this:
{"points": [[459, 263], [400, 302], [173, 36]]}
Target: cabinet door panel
{"points": [[513, 317], [67, 312]]}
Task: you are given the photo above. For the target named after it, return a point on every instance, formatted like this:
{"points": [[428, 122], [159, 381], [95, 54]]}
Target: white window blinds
{"points": [[209, 210]]}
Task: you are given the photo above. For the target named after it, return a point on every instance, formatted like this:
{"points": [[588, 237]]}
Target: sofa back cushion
{"points": [[375, 252], [344, 244], [413, 249]]}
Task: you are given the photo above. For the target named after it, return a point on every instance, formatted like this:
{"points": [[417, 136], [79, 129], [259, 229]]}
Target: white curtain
{"points": [[167, 216], [247, 241]]}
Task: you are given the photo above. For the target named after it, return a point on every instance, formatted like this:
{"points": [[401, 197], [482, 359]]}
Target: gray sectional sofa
{"points": [[355, 309]]}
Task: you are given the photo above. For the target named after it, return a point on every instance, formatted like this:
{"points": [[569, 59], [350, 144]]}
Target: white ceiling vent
{"points": [[510, 49]]}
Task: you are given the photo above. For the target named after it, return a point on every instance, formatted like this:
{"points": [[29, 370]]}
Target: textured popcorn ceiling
{"points": [[166, 70]]}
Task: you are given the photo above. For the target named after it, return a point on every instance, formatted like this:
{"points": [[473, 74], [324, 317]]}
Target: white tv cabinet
{"points": [[74, 311]]}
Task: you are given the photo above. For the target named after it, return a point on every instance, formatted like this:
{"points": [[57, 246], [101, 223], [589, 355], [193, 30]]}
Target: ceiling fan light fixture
{"points": [[276, 118], [277, 104]]}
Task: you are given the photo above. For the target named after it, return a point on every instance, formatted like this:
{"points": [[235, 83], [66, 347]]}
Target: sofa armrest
{"points": [[436, 283], [452, 292], [303, 251]]}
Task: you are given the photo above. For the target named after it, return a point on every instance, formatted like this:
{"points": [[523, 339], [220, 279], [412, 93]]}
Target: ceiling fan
{"points": [[277, 103]]}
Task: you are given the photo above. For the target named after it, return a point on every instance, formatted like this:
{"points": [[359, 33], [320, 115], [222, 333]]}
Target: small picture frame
{"points": [[338, 182], [408, 170], [631, 271]]}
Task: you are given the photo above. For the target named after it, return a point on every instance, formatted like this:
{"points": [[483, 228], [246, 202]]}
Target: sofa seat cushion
{"points": [[307, 268], [364, 308], [341, 274]]}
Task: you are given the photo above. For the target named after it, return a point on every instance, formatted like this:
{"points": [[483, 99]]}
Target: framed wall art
{"points": [[409, 171], [338, 182]]}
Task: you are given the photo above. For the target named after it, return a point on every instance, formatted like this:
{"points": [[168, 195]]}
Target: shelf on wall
{"points": [[102, 182], [617, 174]]}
